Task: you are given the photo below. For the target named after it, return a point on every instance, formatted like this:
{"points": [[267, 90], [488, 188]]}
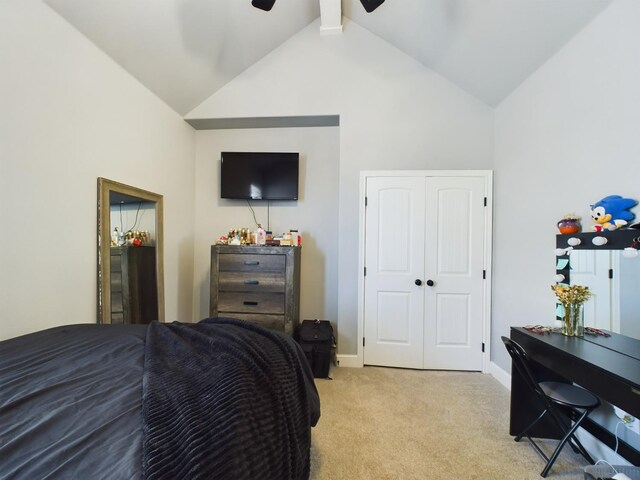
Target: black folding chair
{"points": [[553, 396]]}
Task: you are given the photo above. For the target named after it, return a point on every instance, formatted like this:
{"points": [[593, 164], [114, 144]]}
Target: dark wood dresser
{"points": [[259, 284], [134, 294]]}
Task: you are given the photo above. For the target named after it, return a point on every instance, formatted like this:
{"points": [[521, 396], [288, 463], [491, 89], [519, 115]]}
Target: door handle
{"points": [[418, 282], [431, 283]]}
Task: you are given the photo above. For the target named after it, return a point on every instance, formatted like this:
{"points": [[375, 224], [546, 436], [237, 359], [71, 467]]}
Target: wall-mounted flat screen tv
{"points": [[259, 175]]}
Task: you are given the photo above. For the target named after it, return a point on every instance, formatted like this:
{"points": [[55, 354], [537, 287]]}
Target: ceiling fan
{"points": [[266, 5]]}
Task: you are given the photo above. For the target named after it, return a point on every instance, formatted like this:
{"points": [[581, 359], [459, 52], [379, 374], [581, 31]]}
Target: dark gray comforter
{"points": [[224, 399], [71, 404]]}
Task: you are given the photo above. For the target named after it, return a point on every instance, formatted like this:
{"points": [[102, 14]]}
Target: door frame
{"points": [[487, 175]]}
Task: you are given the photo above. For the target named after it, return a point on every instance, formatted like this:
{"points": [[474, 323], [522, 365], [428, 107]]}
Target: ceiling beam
{"points": [[264, 122], [330, 17]]}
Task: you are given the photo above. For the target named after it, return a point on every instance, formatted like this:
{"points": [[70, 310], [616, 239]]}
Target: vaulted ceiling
{"points": [[185, 50]]}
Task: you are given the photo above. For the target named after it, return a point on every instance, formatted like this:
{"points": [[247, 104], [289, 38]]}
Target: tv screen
{"points": [[259, 175]]}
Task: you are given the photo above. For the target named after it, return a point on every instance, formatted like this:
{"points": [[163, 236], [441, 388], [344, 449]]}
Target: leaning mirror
{"points": [[130, 265], [611, 276]]}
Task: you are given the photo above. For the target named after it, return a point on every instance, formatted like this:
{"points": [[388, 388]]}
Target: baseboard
{"points": [[499, 374], [350, 361], [353, 361]]}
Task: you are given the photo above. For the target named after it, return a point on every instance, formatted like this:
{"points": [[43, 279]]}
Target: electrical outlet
{"points": [[629, 421], [632, 424]]}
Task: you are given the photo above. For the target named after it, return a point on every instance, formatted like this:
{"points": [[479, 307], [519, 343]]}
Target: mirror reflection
{"points": [[613, 280], [130, 267]]}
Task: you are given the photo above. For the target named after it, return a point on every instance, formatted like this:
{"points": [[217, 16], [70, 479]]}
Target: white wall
{"points": [[565, 139], [394, 114], [315, 214], [69, 115]]}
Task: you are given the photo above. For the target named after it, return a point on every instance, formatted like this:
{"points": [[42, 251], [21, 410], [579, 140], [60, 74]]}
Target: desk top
{"points": [[596, 365], [620, 343]]}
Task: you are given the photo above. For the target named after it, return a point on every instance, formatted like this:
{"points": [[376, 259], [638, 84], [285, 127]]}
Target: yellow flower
{"points": [[571, 294]]}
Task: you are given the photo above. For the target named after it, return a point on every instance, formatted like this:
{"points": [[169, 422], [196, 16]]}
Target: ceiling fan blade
{"points": [[265, 5], [371, 5]]}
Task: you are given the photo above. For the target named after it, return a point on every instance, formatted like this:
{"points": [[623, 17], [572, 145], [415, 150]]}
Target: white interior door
{"points": [[430, 230], [394, 259], [454, 306]]}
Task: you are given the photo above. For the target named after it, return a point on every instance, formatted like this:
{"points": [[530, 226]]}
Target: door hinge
{"points": [[482, 347], [485, 201], [484, 274], [365, 271], [363, 341], [366, 201], [611, 273]]}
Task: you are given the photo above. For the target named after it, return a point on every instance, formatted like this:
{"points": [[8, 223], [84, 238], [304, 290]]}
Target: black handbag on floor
{"points": [[317, 341]]}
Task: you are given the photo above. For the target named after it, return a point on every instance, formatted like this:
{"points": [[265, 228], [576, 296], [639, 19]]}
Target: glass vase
{"points": [[573, 322]]}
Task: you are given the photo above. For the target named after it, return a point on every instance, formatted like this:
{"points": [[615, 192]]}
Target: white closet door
{"points": [[420, 230], [394, 259], [455, 236]]}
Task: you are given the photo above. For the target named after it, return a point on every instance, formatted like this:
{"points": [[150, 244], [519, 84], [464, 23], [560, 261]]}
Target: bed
{"points": [[220, 399]]}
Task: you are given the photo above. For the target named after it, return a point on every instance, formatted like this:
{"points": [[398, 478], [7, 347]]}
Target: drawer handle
{"points": [[251, 262], [250, 303], [251, 282]]}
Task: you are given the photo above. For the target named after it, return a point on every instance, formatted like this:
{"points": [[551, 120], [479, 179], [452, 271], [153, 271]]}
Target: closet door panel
{"points": [[394, 304], [454, 262]]}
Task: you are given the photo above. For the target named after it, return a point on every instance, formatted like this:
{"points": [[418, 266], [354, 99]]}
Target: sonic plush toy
{"points": [[612, 212]]}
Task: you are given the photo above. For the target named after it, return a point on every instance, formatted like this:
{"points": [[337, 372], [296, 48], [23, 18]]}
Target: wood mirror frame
{"points": [[105, 189]]}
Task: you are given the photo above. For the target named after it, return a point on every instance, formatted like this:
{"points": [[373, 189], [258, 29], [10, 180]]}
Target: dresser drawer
{"points": [[273, 322], [117, 305], [251, 282], [116, 281], [116, 264], [233, 262], [249, 302]]}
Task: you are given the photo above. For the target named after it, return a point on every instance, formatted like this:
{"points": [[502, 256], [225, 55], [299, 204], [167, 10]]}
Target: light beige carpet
{"points": [[385, 423]]}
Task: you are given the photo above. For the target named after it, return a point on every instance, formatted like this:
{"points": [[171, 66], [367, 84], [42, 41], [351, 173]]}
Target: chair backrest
{"points": [[522, 364]]}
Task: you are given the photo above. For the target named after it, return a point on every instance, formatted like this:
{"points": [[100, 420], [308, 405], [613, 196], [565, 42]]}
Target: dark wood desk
{"points": [[608, 367]]}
